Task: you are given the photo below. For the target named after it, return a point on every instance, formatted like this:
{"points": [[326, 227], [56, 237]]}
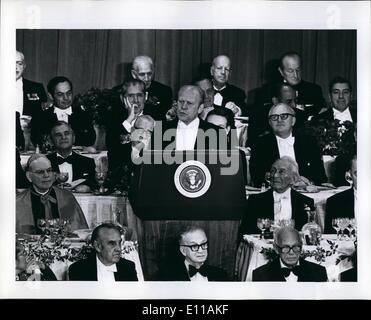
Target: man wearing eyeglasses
{"points": [[193, 246], [44, 201], [288, 266], [226, 94], [281, 142]]}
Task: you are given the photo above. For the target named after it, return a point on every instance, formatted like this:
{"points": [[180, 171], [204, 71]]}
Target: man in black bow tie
{"points": [[65, 160], [289, 266], [43, 201], [193, 246]]}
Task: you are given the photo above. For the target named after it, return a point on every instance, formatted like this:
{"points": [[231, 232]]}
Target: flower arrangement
{"points": [[333, 137]]}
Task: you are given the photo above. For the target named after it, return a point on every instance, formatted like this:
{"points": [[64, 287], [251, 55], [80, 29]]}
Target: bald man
{"points": [[288, 266], [189, 126], [282, 142], [226, 95], [159, 96], [30, 94]]}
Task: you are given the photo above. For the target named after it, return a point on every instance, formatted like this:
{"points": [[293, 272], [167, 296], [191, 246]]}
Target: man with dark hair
{"points": [[281, 142], [340, 94], [193, 247], [43, 201], [289, 266], [159, 96], [60, 92], [106, 264], [66, 160]]}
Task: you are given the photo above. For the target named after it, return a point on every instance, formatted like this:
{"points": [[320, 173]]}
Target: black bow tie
{"points": [[192, 271], [286, 271], [61, 160]]}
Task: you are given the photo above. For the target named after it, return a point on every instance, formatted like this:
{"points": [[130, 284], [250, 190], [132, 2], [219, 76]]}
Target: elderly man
{"points": [[122, 119], [281, 142], [226, 95], [60, 92], [193, 247], [280, 202], [106, 264], [343, 204], [340, 94], [30, 94], [159, 96], [289, 266], [189, 129], [66, 160], [43, 201]]}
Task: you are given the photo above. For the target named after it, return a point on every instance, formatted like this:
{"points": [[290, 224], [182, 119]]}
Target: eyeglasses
{"points": [[286, 249], [196, 247], [282, 116], [41, 172]]}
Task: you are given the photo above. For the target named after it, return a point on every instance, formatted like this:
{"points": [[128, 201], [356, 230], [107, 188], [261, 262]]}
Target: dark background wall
{"points": [[102, 58]]}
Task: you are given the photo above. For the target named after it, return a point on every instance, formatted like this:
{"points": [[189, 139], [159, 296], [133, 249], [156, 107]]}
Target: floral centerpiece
{"points": [[333, 137]]}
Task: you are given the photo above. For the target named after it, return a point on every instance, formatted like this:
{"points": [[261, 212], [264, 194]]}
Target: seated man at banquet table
{"points": [[343, 204], [281, 142], [43, 200], [226, 94], [63, 109], [289, 266], [191, 266], [159, 96], [66, 160], [281, 202], [106, 263], [189, 132]]}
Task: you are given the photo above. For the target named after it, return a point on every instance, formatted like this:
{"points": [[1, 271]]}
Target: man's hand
{"points": [[130, 108], [234, 108]]}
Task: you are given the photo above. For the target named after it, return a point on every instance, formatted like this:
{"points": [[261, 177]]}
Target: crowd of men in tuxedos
{"points": [[278, 149]]}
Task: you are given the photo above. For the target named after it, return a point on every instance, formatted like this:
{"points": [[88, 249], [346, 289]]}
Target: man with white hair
{"points": [[280, 202], [226, 95], [159, 96], [282, 142], [289, 266]]}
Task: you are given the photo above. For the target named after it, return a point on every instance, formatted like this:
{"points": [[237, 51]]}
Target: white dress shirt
{"points": [[19, 96], [66, 167], [128, 125], [218, 98], [186, 135], [292, 277], [62, 114], [342, 116], [282, 205], [105, 273], [198, 276], [286, 146]]}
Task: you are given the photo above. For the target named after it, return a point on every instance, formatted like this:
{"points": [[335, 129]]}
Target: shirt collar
{"points": [[111, 268], [284, 266], [286, 194], [59, 155], [60, 111], [290, 139], [342, 114], [192, 125], [222, 88], [187, 264]]}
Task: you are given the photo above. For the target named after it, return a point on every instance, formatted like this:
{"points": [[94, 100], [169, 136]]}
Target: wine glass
{"points": [[335, 225], [62, 177], [41, 224], [350, 227], [263, 224], [343, 223], [54, 227], [100, 177]]}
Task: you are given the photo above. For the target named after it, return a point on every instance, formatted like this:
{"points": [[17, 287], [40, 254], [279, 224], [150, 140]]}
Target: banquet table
{"points": [[250, 256]]}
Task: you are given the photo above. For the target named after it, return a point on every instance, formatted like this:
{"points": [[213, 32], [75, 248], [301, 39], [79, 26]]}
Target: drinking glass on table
{"points": [[100, 177], [351, 227], [343, 223], [41, 224], [62, 177], [335, 225], [263, 224]]}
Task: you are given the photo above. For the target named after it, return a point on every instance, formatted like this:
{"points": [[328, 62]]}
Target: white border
{"points": [[182, 15]]}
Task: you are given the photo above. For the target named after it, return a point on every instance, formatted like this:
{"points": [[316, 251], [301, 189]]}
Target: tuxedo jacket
{"points": [[33, 95], [329, 115], [86, 270], [19, 137], [349, 275], [309, 272], [178, 272], [80, 121], [261, 205], [159, 100], [338, 206], [203, 126], [308, 156], [234, 94], [80, 167]]}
